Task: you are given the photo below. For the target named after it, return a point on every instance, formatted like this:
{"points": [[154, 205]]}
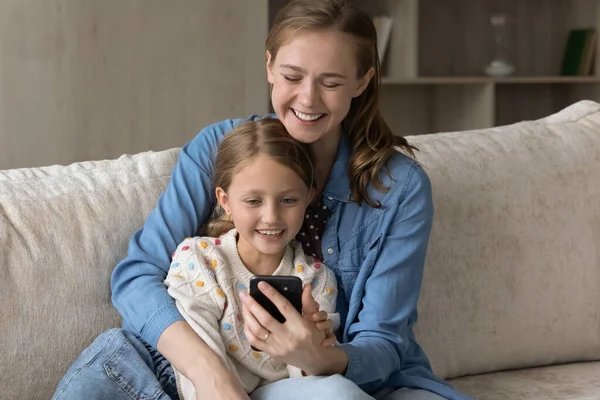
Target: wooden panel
{"points": [[528, 102], [468, 80], [402, 54], [407, 109], [462, 107], [455, 37], [91, 79], [419, 109]]}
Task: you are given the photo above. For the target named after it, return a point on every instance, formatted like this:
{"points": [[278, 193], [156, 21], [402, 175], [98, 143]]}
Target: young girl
{"points": [[264, 182], [369, 221]]}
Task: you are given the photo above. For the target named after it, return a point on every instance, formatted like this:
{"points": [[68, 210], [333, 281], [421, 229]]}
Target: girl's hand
{"points": [[298, 341], [312, 314]]}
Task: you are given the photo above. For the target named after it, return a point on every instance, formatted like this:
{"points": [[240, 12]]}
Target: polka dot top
{"points": [[312, 229]]}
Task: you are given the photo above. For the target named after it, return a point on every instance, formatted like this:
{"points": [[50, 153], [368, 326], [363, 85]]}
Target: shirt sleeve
{"points": [[381, 334], [138, 289], [192, 283]]}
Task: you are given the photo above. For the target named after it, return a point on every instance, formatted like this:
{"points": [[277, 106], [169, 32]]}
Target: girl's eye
{"points": [[291, 79], [289, 201], [252, 202], [330, 85]]}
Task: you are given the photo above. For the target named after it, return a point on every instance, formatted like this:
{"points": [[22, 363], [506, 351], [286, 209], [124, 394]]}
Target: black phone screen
{"points": [[290, 287]]}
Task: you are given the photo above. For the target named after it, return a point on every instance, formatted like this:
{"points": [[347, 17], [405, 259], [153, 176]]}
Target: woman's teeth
{"points": [[270, 233], [307, 117]]}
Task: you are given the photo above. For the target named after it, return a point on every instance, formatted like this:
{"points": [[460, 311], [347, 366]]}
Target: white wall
{"points": [[93, 79]]}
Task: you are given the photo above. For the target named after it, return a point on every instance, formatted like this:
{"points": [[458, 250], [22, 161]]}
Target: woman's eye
{"points": [[330, 85], [289, 201], [291, 79], [252, 202]]}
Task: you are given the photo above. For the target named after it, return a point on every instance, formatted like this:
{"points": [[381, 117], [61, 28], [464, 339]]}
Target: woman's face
{"points": [[314, 78]]}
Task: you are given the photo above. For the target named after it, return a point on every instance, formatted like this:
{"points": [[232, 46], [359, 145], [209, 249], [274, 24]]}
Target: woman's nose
{"points": [[308, 95]]}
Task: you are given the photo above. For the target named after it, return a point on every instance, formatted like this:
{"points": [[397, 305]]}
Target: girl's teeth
{"points": [[270, 233], [307, 117]]}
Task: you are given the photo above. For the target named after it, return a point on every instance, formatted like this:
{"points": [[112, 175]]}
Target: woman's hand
{"points": [[298, 342]]}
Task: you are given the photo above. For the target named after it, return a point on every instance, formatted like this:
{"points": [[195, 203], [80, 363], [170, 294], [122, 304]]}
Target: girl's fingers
{"points": [[319, 316], [309, 305], [324, 325], [283, 305], [252, 324], [253, 340], [329, 339]]}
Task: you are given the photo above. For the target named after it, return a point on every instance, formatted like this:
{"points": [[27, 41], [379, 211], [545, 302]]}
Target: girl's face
{"points": [[266, 201], [314, 78]]}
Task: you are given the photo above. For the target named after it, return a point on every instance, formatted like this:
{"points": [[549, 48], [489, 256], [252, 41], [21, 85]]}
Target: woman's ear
{"points": [[223, 200], [363, 82], [269, 68]]}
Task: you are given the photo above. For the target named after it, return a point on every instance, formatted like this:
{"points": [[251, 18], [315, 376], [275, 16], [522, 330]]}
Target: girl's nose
{"points": [[270, 214]]}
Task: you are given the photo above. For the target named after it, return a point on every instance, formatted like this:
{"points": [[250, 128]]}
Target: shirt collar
{"points": [[338, 185]]}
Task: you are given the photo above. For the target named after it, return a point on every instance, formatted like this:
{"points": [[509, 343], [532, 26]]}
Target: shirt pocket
{"points": [[355, 266]]}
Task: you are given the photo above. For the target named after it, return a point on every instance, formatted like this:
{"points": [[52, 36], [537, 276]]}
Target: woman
{"points": [[370, 223]]}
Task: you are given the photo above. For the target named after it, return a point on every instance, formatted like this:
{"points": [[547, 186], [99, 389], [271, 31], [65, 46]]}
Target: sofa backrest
{"points": [[62, 230], [512, 272], [512, 276]]}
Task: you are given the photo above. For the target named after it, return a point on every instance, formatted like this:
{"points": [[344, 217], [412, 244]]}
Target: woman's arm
{"points": [[380, 336], [138, 289]]}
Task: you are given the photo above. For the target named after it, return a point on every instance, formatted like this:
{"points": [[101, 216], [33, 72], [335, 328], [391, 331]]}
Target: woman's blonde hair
{"points": [[372, 140], [243, 144]]}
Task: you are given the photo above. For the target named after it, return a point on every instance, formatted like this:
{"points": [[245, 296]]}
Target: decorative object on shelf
{"points": [[383, 26], [580, 51], [500, 64]]}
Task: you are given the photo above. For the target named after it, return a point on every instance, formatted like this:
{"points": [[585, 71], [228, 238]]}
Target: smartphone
{"points": [[289, 286]]}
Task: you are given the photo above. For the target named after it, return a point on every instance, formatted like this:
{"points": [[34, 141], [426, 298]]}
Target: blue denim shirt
{"points": [[377, 255]]}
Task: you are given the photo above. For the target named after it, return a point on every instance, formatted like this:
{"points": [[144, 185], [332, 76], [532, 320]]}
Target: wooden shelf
{"points": [[468, 80], [433, 69]]}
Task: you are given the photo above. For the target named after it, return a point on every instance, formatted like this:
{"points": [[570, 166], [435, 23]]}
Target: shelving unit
{"points": [[433, 77]]}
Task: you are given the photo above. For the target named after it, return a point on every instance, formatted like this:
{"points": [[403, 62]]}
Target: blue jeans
{"points": [[119, 365]]}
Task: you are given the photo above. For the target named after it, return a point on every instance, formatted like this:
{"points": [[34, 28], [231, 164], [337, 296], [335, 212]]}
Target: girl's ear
{"points": [[223, 200], [269, 68], [363, 82]]}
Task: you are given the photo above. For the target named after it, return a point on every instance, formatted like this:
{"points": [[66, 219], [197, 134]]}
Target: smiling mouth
{"points": [[270, 232], [307, 117]]}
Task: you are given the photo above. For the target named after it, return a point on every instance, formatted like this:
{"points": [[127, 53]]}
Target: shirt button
{"points": [[330, 251]]}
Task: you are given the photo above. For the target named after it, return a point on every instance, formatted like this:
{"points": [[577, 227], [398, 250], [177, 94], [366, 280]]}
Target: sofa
{"points": [[510, 303]]}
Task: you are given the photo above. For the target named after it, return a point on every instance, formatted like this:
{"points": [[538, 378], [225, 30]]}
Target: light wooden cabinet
{"points": [[434, 65]]}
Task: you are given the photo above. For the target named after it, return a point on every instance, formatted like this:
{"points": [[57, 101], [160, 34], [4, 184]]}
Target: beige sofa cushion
{"points": [[62, 230], [563, 382], [513, 270]]}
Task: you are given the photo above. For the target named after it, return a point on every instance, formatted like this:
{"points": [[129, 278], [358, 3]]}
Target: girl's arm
{"points": [[200, 300], [381, 334]]}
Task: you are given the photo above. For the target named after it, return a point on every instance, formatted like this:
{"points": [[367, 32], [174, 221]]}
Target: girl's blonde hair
{"points": [[372, 140], [243, 144]]}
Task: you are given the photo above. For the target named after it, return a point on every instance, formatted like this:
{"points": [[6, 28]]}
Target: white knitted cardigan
{"points": [[205, 277]]}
